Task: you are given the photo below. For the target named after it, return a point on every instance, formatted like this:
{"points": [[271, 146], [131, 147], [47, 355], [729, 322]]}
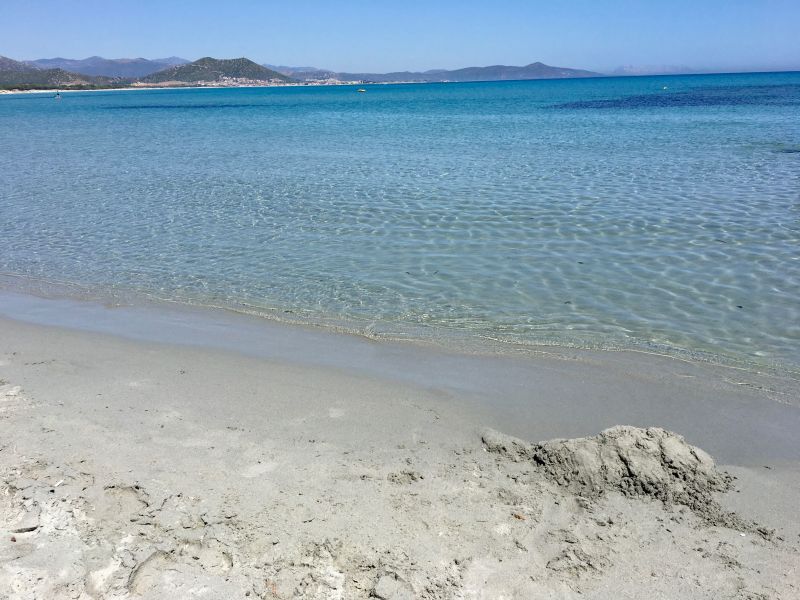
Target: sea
{"points": [[659, 213]]}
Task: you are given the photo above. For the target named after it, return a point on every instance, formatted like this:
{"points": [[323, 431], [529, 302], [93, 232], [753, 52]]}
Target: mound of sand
{"points": [[633, 461]]}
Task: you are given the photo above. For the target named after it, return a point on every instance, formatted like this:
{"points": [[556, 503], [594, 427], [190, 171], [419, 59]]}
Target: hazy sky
{"points": [[362, 35]]}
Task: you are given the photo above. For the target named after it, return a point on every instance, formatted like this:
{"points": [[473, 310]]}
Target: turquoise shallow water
{"points": [[597, 213]]}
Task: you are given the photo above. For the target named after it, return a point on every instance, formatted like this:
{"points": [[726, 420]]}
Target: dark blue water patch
{"points": [[761, 95], [788, 150]]}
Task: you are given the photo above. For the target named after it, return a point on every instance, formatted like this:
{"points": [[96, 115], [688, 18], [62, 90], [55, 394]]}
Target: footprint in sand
{"points": [[180, 572], [119, 500]]}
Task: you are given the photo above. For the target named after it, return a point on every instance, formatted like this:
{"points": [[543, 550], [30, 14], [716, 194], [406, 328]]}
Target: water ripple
{"points": [[430, 210]]}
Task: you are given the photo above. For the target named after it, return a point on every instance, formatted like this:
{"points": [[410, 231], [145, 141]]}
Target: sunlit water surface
{"points": [[659, 212]]}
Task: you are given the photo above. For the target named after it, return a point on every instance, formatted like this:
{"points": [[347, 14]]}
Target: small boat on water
{"points": [[361, 90]]}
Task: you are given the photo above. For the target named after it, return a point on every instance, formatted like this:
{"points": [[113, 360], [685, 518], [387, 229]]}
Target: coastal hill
{"points": [[18, 75], [535, 70], [127, 68], [215, 70]]}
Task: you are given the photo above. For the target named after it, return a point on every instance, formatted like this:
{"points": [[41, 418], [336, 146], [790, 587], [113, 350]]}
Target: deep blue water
{"points": [[650, 212]]}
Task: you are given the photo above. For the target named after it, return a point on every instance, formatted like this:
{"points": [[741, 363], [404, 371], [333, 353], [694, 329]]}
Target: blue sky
{"points": [[362, 35]]}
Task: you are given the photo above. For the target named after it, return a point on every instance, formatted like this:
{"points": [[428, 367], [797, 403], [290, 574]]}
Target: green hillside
{"points": [[212, 69]]}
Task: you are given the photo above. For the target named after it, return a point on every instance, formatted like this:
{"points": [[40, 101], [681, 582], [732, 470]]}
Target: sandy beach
{"points": [[309, 465]]}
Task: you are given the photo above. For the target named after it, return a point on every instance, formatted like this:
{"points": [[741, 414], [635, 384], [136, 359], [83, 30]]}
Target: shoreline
{"points": [[354, 83], [343, 468], [577, 389], [432, 338], [217, 87]]}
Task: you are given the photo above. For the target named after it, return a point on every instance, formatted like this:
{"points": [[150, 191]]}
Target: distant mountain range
{"points": [[126, 68], [12, 66], [212, 69], [99, 72], [535, 70], [19, 75]]}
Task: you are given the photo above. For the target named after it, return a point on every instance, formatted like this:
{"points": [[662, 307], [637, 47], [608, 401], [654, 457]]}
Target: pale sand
{"points": [[132, 468]]}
